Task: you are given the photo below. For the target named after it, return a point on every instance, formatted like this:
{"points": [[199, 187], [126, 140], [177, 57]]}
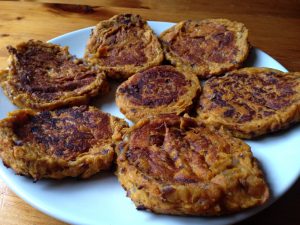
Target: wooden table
{"points": [[274, 27]]}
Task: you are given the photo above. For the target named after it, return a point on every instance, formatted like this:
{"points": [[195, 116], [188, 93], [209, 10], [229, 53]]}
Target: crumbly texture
{"points": [[174, 165], [158, 90], [207, 47], [68, 142], [251, 102], [44, 76], [123, 46]]}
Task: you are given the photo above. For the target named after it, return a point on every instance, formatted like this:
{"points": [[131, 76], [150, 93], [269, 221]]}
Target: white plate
{"points": [[101, 200]]}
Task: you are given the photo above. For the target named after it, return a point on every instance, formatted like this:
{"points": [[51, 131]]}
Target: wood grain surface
{"points": [[274, 27]]}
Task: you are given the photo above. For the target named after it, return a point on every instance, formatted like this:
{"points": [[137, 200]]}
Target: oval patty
{"points": [[251, 101], [45, 76], [158, 90], [207, 47], [123, 45], [174, 165], [68, 142]]}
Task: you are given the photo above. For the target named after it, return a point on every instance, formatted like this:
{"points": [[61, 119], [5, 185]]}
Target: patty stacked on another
{"points": [[123, 46], [68, 142], [158, 90], [207, 47], [251, 101], [174, 165], [45, 76]]}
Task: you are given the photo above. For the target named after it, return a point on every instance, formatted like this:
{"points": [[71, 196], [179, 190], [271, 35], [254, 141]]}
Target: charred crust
{"points": [[165, 140], [229, 112], [157, 86], [156, 91], [48, 75], [141, 207], [179, 166], [123, 45], [268, 91], [68, 142], [166, 191], [65, 133], [251, 102], [208, 47]]}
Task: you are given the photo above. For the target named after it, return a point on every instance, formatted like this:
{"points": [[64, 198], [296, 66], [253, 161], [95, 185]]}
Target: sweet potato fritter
{"points": [[45, 76], [251, 102], [68, 142], [123, 46], [207, 47], [174, 165], [158, 90]]}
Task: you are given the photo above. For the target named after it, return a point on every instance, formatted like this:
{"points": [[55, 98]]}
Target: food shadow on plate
{"points": [[276, 135], [240, 215], [185, 219], [251, 59], [259, 58], [69, 182], [108, 98], [107, 102]]}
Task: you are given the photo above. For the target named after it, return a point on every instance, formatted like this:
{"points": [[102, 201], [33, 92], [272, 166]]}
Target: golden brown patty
{"points": [[69, 142], [46, 76], [123, 45], [174, 165], [158, 90], [207, 47], [252, 101]]}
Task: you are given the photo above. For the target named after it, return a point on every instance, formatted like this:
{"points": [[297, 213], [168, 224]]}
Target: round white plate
{"points": [[101, 199]]}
